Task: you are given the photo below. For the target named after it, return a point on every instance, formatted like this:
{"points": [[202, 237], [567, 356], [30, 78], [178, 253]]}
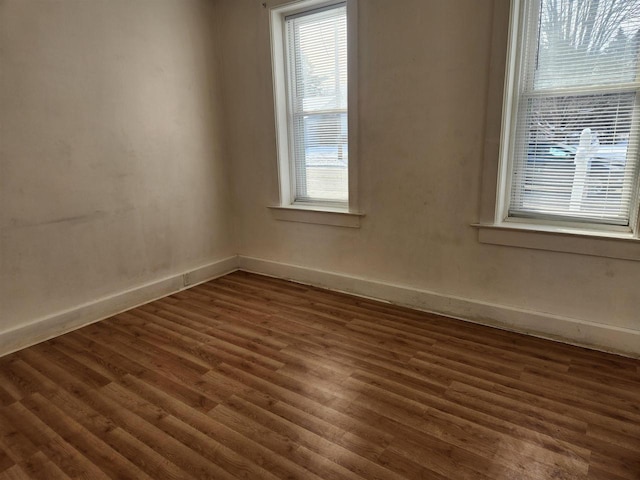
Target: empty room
{"points": [[320, 239]]}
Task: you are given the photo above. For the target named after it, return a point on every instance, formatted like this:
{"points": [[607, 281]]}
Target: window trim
{"points": [[586, 242], [277, 14], [318, 215], [493, 227], [519, 30]]}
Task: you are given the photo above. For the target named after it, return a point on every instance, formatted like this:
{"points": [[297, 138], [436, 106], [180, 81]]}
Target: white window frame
{"points": [[520, 29], [331, 213], [495, 226]]}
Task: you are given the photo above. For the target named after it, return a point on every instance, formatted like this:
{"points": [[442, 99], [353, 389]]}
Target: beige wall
{"points": [[424, 71], [136, 136], [112, 171]]}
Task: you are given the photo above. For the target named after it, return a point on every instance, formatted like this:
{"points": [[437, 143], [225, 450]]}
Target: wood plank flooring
{"points": [[257, 378]]}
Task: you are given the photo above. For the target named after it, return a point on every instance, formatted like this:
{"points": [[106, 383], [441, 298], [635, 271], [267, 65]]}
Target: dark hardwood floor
{"points": [[252, 377]]}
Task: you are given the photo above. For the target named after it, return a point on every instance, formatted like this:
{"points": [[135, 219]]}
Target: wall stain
{"points": [[73, 220]]}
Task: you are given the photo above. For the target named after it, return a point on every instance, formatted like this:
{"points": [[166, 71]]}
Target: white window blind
{"points": [[316, 51], [575, 151]]}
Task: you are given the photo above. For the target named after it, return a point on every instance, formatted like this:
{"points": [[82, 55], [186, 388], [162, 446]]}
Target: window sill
{"points": [[319, 215], [584, 242]]}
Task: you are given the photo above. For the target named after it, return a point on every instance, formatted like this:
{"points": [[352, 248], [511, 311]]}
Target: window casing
{"points": [[571, 119], [313, 72]]}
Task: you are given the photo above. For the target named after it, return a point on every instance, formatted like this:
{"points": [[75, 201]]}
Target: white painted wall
{"points": [[112, 167], [136, 136], [423, 89]]}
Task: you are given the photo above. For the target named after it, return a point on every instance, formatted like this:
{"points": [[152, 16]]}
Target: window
{"points": [[571, 123], [315, 120]]}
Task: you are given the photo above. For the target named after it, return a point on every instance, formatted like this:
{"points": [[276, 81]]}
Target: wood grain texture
{"points": [[257, 378]]}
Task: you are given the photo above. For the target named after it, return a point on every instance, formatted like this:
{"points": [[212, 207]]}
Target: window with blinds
{"points": [[575, 125], [316, 64]]}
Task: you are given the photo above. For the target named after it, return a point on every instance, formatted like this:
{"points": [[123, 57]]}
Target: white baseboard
{"points": [[63, 322], [564, 329]]}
